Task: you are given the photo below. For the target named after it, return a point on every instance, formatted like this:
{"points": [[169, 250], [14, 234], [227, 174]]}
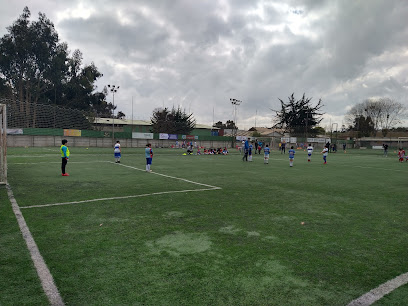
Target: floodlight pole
{"points": [[331, 133], [235, 103], [113, 89]]}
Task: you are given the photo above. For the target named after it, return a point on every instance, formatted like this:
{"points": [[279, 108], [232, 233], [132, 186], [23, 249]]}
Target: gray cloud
{"points": [[198, 54]]}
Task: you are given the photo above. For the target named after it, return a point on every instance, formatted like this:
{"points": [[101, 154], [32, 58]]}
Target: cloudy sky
{"points": [[198, 54]]}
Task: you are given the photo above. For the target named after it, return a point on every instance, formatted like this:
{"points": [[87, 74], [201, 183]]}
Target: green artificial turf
{"points": [[313, 234]]}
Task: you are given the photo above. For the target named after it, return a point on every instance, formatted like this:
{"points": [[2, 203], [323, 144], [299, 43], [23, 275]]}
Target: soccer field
{"points": [[205, 230]]}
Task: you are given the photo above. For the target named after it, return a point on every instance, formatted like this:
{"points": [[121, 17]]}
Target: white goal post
{"points": [[403, 142], [3, 144]]}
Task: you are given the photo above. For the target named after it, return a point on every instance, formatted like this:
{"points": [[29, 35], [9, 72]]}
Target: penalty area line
{"points": [[173, 177], [379, 292], [118, 198]]}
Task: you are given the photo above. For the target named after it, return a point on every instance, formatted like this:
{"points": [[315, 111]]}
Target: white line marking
{"points": [[119, 198], [379, 292], [132, 196], [381, 168], [70, 162], [47, 281], [173, 177]]}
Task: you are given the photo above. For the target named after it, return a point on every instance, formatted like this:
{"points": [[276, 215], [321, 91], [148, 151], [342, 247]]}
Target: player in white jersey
{"points": [[325, 152], [309, 152], [117, 152], [267, 150]]}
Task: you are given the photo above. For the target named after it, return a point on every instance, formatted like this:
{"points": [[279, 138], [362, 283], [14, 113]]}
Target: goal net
{"points": [[3, 144]]}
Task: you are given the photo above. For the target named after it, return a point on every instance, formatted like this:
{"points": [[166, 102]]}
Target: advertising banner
{"points": [[76, 133], [319, 140], [173, 136], [142, 135], [15, 131], [163, 136], [190, 137]]}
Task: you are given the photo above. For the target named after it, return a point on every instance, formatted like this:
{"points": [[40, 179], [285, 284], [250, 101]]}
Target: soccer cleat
{"points": [[324, 163], [65, 174]]}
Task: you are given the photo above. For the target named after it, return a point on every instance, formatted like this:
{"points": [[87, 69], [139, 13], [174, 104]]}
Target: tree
{"points": [[384, 113], [364, 126], [228, 125], [175, 121], [35, 68], [120, 115], [299, 116]]}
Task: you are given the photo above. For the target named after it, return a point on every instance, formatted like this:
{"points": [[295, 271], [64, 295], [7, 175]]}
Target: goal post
{"points": [[402, 142], [3, 144]]}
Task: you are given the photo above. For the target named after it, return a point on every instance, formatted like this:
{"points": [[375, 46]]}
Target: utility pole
{"points": [[113, 89], [235, 103]]}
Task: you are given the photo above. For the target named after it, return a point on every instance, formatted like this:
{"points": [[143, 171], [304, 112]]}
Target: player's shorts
{"points": [[266, 156], [309, 154], [117, 154], [149, 161]]}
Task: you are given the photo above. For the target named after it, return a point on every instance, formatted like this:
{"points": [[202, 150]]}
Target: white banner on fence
{"points": [[142, 135], [289, 139], [319, 140], [163, 136], [15, 131]]}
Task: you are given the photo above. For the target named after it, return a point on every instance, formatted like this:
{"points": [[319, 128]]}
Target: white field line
{"points": [[119, 198], [173, 177], [132, 196], [379, 292], [90, 162], [47, 281]]}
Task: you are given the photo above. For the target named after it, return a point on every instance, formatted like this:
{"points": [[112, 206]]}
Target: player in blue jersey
{"points": [[267, 150], [149, 157], [325, 152], [246, 149], [309, 152], [291, 156], [117, 152], [250, 152]]}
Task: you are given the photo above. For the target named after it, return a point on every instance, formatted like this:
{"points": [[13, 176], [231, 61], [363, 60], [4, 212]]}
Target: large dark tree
{"points": [[35, 68], [364, 126], [299, 117], [175, 121]]}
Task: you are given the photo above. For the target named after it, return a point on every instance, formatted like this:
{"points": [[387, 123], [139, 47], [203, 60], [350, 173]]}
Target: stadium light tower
{"points": [[235, 103], [113, 89]]}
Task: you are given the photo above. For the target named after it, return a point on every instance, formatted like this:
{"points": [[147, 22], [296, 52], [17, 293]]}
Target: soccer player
{"points": [[385, 147], [291, 156], [117, 152], [246, 148], [283, 147], [267, 150], [325, 152], [64, 156], [401, 155], [250, 152], [309, 152], [149, 157]]}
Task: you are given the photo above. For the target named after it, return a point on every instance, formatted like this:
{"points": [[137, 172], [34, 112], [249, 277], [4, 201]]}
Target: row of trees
{"points": [[372, 115], [300, 117], [36, 68]]}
